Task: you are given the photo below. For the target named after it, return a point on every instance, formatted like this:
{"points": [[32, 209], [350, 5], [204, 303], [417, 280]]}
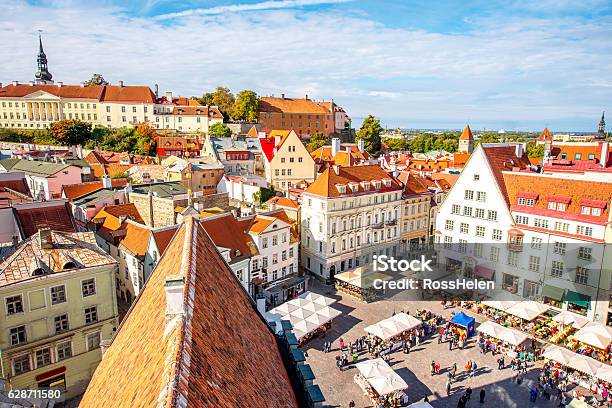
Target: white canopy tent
{"points": [[558, 354], [361, 278], [579, 362], [584, 364], [381, 376], [306, 313], [490, 329], [595, 334], [502, 305], [571, 319], [604, 373], [527, 310], [397, 324], [500, 332]]}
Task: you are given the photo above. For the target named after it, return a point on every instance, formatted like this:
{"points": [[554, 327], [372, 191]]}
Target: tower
{"points": [[43, 76], [601, 128], [466, 140]]}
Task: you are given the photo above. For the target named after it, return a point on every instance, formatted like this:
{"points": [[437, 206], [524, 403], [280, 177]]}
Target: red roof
{"points": [[163, 238], [54, 215], [503, 157], [545, 136], [20, 185], [466, 134], [74, 191], [102, 93], [267, 146]]}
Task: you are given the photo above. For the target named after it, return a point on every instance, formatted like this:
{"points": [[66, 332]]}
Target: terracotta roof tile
{"points": [[74, 191], [103, 93], [466, 134], [220, 354], [325, 184], [290, 105], [112, 215], [136, 238], [53, 215], [163, 237], [503, 157], [283, 202], [226, 232], [20, 185], [545, 136]]}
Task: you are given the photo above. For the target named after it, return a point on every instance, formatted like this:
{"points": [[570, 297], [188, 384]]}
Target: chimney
{"points": [[45, 239], [335, 145], [82, 84], [174, 286], [0, 84], [261, 304], [306, 97], [31, 83], [282, 96], [15, 83], [519, 149], [169, 96], [104, 345], [156, 91], [603, 158], [59, 84], [547, 148], [336, 169], [121, 84], [361, 145], [106, 181]]}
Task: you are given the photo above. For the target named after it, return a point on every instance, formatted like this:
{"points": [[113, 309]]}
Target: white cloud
{"points": [[546, 70]]}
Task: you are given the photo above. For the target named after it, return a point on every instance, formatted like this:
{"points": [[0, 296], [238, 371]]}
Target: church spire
{"points": [[43, 76], [601, 129]]}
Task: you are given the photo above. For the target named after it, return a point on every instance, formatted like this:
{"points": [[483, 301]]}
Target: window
{"points": [[274, 259], [481, 196], [275, 239], [494, 255], [582, 275], [447, 242], [467, 211], [264, 243], [88, 287], [561, 226], [469, 195], [584, 253], [480, 231], [585, 210], [521, 219], [14, 305], [596, 212], [43, 357], [93, 341], [58, 294], [512, 258], [540, 223], [556, 270], [448, 225], [479, 213], [17, 335], [534, 263], [61, 323], [464, 228], [497, 234], [492, 215], [584, 230], [536, 243], [476, 177], [21, 364], [91, 314], [559, 248], [456, 209], [478, 250], [462, 246]]}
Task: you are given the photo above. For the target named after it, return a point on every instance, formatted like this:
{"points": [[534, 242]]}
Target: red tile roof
{"points": [[136, 238], [325, 184], [290, 105], [20, 185], [113, 213], [545, 136], [54, 215], [283, 202], [163, 237], [219, 354], [210, 111], [503, 157], [466, 134], [227, 232], [74, 191], [102, 93]]}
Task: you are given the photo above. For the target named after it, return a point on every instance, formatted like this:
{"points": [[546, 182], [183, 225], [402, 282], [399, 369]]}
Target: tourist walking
{"points": [[474, 367], [341, 344], [448, 388], [482, 395], [468, 393], [501, 363], [433, 367]]}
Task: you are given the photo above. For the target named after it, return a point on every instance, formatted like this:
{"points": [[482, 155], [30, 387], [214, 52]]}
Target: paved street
{"points": [[339, 387]]}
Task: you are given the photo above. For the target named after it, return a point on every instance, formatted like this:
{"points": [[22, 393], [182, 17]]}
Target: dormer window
{"points": [[376, 184], [354, 187], [365, 185], [387, 182], [527, 198], [341, 188], [585, 210]]}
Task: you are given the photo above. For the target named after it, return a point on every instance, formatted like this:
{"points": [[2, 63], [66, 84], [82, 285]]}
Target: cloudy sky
{"points": [[415, 64]]}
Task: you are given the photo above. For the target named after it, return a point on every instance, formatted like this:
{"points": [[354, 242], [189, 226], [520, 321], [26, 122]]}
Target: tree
{"points": [[219, 130], [246, 106], [395, 144], [96, 79], [370, 132], [315, 141], [534, 150], [70, 132], [264, 194], [146, 143], [206, 99], [224, 99]]}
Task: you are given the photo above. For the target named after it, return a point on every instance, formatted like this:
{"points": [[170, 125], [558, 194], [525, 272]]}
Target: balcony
{"points": [[515, 240], [391, 222], [378, 225]]}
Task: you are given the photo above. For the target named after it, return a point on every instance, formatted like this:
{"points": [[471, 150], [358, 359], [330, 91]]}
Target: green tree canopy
{"points": [[534, 150], [316, 140], [224, 99], [246, 106], [395, 144], [219, 130], [370, 132], [96, 79], [70, 132]]}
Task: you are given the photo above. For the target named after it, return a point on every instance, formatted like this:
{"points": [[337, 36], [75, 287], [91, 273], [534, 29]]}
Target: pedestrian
{"points": [[474, 367], [454, 369], [437, 368], [563, 401], [433, 367], [352, 404], [450, 344], [426, 399], [441, 336], [468, 367], [468, 393], [462, 402], [448, 388], [482, 396], [500, 363], [341, 344]]}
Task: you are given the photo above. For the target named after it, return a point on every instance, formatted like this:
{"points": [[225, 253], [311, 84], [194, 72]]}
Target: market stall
{"points": [[383, 385], [464, 321], [360, 283], [527, 310], [393, 326], [506, 340], [309, 315]]}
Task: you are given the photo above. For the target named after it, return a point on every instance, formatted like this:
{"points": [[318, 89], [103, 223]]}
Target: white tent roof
{"points": [[361, 278], [500, 304], [579, 362], [393, 326], [527, 310], [285, 308], [584, 364], [595, 334], [381, 377], [558, 354], [576, 403], [500, 332], [317, 299], [571, 319], [301, 313], [604, 373]]}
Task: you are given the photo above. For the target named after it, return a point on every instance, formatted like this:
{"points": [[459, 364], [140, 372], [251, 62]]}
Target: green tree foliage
{"points": [[424, 142], [534, 150], [70, 132], [96, 79], [395, 144], [264, 194], [38, 136], [224, 99], [316, 140], [370, 132], [246, 106], [219, 130], [140, 140]]}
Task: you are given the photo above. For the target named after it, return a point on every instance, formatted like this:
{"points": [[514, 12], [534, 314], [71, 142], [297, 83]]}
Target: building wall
{"points": [[38, 317], [291, 163], [304, 124], [155, 211], [415, 220]]}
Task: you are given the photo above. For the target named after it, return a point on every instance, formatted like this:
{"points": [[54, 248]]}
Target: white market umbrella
{"points": [[571, 319], [407, 320], [305, 326], [388, 384], [595, 334], [285, 308], [559, 354], [604, 373], [491, 329], [301, 313], [500, 304], [513, 337], [584, 364], [373, 368], [527, 310], [317, 299], [379, 331]]}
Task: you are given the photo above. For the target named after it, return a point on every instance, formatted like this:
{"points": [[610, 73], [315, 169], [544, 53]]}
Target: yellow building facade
{"points": [[59, 304]]}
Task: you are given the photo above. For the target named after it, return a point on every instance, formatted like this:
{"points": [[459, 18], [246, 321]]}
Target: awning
{"points": [[553, 292], [515, 231], [484, 272], [577, 299]]}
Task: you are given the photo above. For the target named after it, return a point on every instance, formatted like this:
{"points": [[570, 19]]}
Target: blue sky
{"points": [[417, 64]]}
